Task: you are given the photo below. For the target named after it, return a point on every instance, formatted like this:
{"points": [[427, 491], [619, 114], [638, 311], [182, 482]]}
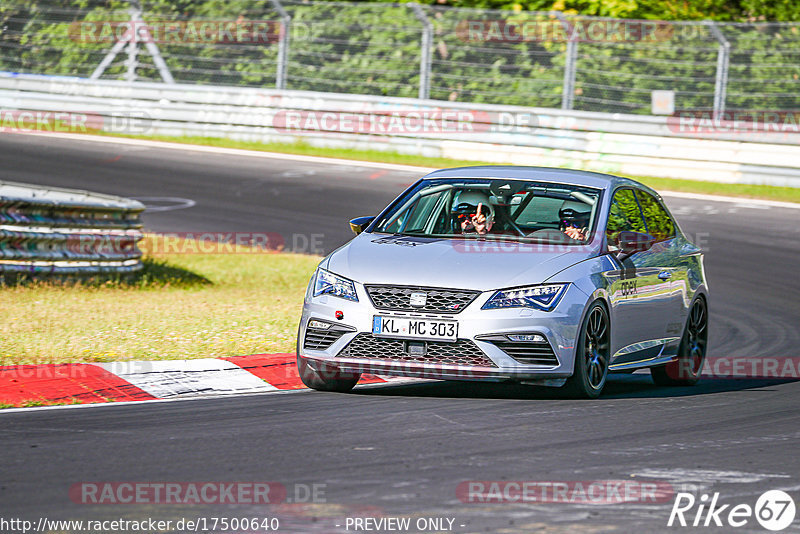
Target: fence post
{"points": [[141, 33], [283, 45], [133, 47], [570, 60], [155, 53], [723, 62], [107, 59], [425, 53]]}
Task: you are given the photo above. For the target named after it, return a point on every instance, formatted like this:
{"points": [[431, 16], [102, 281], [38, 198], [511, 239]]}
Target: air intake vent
{"points": [[436, 300], [323, 338], [525, 352], [462, 352]]}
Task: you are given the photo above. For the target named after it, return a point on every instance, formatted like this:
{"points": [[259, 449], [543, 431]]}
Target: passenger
{"points": [[574, 223]]}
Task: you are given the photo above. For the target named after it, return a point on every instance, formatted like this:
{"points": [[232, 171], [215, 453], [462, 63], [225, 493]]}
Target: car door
{"points": [[665, 257], [633, 285]]}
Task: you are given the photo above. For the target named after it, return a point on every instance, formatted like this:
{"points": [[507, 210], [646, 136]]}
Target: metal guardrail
{"points": [[606, 142], [53, 231]]}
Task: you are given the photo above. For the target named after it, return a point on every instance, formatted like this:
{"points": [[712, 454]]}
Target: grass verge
{"points": [[181, 306], [767, 192], [35, 403]]}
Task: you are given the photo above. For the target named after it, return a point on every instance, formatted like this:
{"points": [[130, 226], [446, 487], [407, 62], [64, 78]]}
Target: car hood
{"points": [[456, 263]]}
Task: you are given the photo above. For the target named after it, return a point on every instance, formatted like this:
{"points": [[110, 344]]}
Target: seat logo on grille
{"points": [[418, 299]]}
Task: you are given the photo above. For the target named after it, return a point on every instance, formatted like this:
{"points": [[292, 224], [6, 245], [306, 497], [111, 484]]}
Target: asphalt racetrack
{"points": [[403, 449]]}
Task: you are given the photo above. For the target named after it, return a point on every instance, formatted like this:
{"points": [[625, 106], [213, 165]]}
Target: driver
{"points": [[472, 213]]}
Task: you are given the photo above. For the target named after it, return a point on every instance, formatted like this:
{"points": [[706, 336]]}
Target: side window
{"points": [[659, 223], [624, 215], [420, 213]]}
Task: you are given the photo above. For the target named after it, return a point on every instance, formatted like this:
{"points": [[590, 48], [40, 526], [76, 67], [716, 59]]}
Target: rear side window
{"points": [[659, 223], [624, 215], [540, 210]]}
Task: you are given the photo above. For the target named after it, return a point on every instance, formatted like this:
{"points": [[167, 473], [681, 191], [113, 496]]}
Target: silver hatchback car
{"points": [[527, 274]]}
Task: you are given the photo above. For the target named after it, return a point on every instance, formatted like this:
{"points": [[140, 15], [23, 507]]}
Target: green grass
{"points": [[181, 306], [34, 403], [768, 192]]}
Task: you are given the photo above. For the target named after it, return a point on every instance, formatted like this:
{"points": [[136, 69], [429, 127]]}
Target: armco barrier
{"points": [[616, 143], [52, 231]]}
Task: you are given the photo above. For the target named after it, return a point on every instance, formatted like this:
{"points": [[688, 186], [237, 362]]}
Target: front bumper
{"points": [[558, 326]]}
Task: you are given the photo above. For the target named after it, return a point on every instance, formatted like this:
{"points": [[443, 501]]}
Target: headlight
{"points": [[539, 297], [327, 283]]}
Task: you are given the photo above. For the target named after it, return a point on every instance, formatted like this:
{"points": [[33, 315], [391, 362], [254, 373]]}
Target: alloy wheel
{"points": [[596, 348]]}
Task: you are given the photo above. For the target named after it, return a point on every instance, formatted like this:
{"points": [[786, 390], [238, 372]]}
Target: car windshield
{"points": [[507, 209]]}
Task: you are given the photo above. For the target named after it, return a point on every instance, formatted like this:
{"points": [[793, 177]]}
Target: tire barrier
{"points": [[53, 231]]}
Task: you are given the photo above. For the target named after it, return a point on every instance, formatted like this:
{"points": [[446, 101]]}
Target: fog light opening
{"points": [[526, 338]]}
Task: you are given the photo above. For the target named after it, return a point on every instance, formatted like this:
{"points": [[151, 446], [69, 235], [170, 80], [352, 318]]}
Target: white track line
{"points": [[390, 381], [354, 163], [744, 201], [231, 151], [144, 402]]}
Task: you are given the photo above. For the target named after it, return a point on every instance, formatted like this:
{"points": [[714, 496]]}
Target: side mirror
{"points": [[359, 224], [630, 243]]}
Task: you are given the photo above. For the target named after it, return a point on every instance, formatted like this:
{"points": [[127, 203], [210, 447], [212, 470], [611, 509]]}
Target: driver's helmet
{"points": [[575, 214], [465, 204]]}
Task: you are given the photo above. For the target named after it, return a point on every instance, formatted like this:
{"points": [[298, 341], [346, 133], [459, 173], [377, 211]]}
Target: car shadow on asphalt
{"points": [[633, 386]]}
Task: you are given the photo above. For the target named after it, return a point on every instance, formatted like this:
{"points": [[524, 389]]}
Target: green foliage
{"points": [[784, 10], [722, 10], [354, 48], [465, 68], [375, 48]]}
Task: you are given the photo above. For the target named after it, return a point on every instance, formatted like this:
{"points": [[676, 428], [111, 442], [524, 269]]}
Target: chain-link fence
{"points": [[542, 59]]}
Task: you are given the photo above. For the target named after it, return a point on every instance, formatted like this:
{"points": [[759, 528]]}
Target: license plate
{"points": [[415, 328]]}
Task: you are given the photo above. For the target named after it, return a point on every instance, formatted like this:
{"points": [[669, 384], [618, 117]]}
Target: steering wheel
{"points": [[555, 236]]}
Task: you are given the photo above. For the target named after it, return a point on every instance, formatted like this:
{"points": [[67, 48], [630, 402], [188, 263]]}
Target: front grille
{"points": [[398, 298], [528, 353], [321, 339], [462, 352]]}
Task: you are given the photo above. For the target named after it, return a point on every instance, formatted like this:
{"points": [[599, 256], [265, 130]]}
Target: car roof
{"points": [[539, 174]]}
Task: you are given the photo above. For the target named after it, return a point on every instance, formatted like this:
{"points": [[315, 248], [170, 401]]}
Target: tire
{"points": [[686, 369], [325, 377], [592, 354]]}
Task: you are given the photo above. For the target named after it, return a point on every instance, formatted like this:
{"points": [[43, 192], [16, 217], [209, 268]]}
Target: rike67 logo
{"points": [[774, 510]]}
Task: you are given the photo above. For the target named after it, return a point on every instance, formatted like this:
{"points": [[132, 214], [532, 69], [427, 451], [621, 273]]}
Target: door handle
{"points": [[664, 275]]}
